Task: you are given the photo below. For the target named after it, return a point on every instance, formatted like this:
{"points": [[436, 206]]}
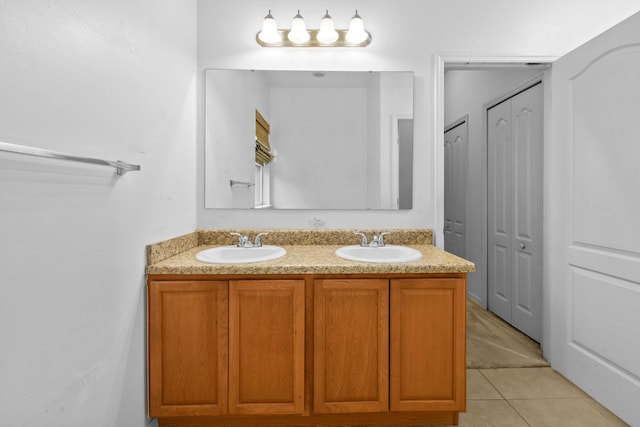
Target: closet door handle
{"points": [[522, 245]]}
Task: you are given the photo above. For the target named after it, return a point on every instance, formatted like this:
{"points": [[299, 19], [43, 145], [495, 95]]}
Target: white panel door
{"points": [[515, 146], [455, 187], [499, 205], [528, 143], [592, 207]]}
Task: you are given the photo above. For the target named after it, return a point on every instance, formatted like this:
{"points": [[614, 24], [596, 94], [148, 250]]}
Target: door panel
{"points": [[592, 205], [187, 348], [427, 325], [266, 346], [523, 290], [351, 345], [499, 168], [501, 279], [523, 139]]}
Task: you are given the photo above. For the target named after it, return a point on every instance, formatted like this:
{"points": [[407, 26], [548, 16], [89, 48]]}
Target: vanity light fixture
{"points": [[327, 33], [298, 33], [356, 33], [300, 36], [269, 33]]}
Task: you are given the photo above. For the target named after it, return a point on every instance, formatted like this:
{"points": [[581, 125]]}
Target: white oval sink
{"points": [[236, 255], [388, 253]]}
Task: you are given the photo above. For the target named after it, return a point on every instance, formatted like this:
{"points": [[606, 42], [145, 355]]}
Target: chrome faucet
{"points": [[245, 241], [364, 241], [258, 243], [377, 241]]}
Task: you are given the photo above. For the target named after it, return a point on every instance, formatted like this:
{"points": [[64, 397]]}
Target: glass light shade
{"points": [[327, 33], [269, 33], [356, 33], [298, 33]]}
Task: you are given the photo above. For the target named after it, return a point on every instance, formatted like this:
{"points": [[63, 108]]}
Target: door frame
{"points": [[479, 62], [462, 62], [394, 165]]}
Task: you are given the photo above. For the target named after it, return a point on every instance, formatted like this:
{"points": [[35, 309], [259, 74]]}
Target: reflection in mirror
{"points": [[334, 140]]}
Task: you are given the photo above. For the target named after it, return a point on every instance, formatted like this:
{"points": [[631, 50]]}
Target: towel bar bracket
{"points": [[123, 167], [233, 182]]}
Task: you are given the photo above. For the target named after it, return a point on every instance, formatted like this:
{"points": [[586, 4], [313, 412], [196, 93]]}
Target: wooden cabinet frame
{"points": [[403, 406]]}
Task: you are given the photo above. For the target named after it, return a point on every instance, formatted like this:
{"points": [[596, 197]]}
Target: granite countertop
{"points": [[308, 252]]}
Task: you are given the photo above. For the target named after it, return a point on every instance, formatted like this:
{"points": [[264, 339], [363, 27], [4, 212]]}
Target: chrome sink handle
{"points": [[258, 243], [381, 238], [364, 241], [243, 241]]}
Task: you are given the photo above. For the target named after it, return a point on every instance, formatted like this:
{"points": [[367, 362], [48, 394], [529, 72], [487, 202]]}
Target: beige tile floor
{"points": [[530, 397]]}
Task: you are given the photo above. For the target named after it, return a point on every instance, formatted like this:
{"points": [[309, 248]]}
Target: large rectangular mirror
{"points": [[308, 139]]}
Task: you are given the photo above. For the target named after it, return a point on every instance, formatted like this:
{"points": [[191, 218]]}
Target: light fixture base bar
{"points": [[313, 42]]}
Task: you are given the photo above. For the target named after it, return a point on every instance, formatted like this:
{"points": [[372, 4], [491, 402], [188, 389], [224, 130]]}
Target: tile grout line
{"points": [[505, 399], [516, 411]]}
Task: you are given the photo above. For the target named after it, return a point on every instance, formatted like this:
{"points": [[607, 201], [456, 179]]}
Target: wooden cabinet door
{"points": [[351, 345], [428, 371], [266, 346], [187, 348]]}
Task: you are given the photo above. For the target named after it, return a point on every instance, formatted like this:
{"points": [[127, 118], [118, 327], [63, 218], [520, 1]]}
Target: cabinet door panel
{"points": [[266, 366], [187, 348], [428, 345], [351, 348]]}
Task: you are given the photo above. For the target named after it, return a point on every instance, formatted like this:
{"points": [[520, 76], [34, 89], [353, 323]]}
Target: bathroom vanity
{"points": [[306, 339]]}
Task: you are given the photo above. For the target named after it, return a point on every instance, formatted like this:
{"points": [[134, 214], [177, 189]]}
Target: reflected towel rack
{"points": [[121, 167], [233, 182]]}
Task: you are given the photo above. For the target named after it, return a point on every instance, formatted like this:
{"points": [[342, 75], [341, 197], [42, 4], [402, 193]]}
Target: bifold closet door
{"points": [[514, 151]]}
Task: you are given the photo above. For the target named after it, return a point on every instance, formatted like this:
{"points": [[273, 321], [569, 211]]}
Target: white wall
{"points": [[406, 34], [467, 92], [112, 79], [230, 135]]}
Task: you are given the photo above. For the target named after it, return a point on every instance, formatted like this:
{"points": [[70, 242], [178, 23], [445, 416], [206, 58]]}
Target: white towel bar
{"points": [[121, 167]]}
